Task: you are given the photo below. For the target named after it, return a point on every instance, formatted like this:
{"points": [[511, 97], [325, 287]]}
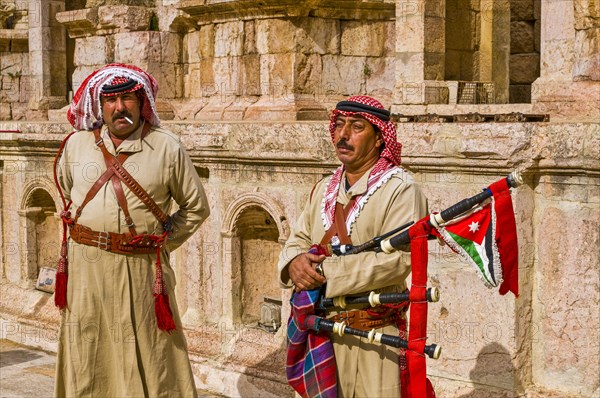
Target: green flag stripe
{"points": [[469, 247]]}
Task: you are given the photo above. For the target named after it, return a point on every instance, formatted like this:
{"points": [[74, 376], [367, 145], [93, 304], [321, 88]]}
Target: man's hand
{"points": [[302, 271]]}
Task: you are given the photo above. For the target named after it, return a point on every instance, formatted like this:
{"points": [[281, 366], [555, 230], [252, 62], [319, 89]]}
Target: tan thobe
{"points": [[364, 369], [109, 343]]}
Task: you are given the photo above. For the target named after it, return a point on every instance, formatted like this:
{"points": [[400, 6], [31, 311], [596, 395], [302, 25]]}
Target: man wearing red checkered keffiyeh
{"points": [[121, 334], [367, 195]]}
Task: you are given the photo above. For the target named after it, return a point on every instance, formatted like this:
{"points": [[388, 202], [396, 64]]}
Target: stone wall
{"points": [[248, 88], [524, 49]]}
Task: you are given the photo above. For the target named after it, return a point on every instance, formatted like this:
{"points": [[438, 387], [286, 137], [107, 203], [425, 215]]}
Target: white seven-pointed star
{"points": [[474, 226]]}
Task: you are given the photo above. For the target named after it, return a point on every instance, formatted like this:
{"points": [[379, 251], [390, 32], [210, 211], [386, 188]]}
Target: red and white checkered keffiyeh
{"points": [[383, 170], [85, 108]]}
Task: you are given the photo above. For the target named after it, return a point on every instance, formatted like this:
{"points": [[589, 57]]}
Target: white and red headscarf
{"points": [[374, 112], [112, 79]]}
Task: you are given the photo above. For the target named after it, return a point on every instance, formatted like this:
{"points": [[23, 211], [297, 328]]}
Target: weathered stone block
{"points": [[5, 111], [170, 45], [524, 68], [389, 44], [564, 321], [191, 80], [343, 75], [435, 35], [434, 66], [410, 32], [363, 38], [519, 94], [381, 72], [410, 67], [558, 59], [137, 47], [307, 73], [276, 74], [12, 87], [80, 73], [522, 37], [558, 21], [587, 13], [79, 23], [587, 55], [250, 79], [191, 46], [226, 75], [275, 36], [317, 35], [169, 78], [125, 17], [207, 41], [207, 72], [521, 10], [91, 51], [229, 39], [249, 37]]}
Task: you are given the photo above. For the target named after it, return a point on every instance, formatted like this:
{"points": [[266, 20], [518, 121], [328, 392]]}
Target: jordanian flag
{"points": [[473, 237], [486, 238]]}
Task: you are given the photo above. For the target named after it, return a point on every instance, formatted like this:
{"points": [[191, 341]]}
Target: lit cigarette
{"points": [[128, 119]]}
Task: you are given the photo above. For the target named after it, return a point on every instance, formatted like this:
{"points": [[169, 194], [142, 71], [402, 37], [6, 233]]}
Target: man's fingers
{"points": [[316, 258]]}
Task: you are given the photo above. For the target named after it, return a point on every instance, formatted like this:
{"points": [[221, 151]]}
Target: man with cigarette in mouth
{"points": [[121, 333]]}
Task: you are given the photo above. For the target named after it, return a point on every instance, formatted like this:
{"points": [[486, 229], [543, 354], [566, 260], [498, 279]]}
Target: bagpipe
{"points": [[481, 229]]}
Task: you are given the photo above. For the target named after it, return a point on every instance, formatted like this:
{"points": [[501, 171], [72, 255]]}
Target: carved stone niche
{"points": [[39, 233], [228, 10]]}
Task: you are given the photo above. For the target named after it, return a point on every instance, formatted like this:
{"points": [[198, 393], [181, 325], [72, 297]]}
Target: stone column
{"points": [[495, 21], [47, 55], [420, 46], [569, 64]]}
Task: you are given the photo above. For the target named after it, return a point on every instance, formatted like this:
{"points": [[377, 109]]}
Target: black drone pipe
{"points": [[317, 323], [432, 295]]}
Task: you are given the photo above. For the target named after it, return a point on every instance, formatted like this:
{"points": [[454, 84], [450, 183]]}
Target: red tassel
{"points": [[60, 290], [62, 278], [164, 316], [404, 384]]}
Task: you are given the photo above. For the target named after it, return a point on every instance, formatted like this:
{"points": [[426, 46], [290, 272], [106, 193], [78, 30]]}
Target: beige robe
{"points": [[109, 343], [364, 369]]}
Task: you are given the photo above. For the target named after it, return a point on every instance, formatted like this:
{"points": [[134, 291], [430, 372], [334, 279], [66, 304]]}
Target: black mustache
{"points": [[344, 144], [120, 115]]}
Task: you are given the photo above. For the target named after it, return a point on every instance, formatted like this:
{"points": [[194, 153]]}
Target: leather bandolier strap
{"points": [[115, 242], [358, 319]]}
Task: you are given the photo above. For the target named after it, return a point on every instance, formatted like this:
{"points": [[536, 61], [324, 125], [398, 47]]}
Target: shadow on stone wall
{"points": [[494, 374], [251, 384]]}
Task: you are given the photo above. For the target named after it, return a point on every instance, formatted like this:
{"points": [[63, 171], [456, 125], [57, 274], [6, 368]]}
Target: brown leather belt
{"points": [[112, 242], [361, 319]]}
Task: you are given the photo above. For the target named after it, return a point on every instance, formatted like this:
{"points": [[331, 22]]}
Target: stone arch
{"points": [[254, 230], [39, 230], [236, 207]]}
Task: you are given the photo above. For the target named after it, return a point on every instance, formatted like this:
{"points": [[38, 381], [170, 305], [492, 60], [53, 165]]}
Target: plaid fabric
{"points": [[85, 108], [310, 365]]}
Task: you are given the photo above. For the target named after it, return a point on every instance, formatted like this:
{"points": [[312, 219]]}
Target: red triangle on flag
{"points": [[474, 226]]}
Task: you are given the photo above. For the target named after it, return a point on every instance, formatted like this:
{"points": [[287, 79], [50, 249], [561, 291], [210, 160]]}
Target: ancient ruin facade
{"points": [[478, 87]]}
